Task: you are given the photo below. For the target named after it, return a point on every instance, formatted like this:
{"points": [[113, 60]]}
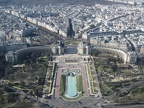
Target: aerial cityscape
{"points": [[72, 54]]}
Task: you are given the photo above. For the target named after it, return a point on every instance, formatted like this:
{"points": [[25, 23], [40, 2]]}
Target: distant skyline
{"points": [[46, 2]]}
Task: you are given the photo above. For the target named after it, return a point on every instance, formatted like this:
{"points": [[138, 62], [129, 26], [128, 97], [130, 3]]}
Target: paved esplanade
{"points": [[57, 87], [80, 64]]}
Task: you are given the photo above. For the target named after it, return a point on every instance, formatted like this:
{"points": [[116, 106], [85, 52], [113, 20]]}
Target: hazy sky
{"points": [[45, 2]]}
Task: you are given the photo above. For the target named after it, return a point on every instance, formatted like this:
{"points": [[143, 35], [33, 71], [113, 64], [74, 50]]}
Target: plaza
{"points": [[72, 77]]}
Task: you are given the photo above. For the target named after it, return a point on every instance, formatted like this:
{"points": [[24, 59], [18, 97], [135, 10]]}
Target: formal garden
{"points": [[119, 82], [28, 77], [92, 79]]}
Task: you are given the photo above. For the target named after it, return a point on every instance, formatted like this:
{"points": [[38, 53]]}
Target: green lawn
{"points": [[126, 73], [100, 68], [103, 88], [95, 90], [70, 42], [50, 74], [79, 83], [62, 83]]}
